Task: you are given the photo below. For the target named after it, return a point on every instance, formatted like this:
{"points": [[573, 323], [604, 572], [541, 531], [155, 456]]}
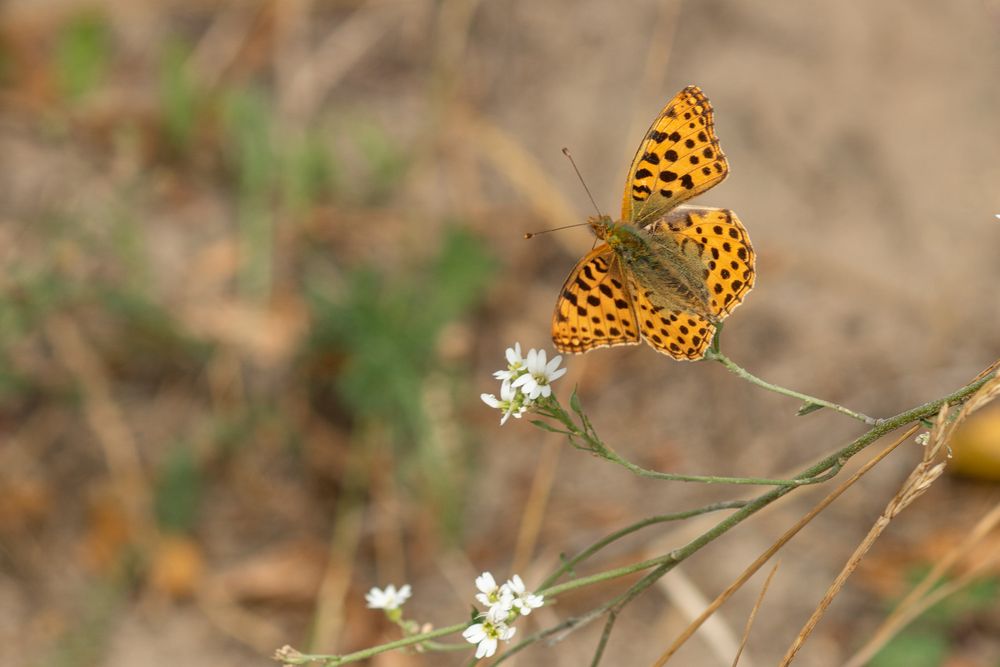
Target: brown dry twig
{"points": [[753, 612], [925, 594], [920, 479], [773, 549]]}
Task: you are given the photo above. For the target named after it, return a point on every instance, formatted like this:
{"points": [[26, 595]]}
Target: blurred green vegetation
{"points": [[85, 643], [181, 102], [928, 641], [178, 490], [83, 54], [382, 328], [387, 332]]}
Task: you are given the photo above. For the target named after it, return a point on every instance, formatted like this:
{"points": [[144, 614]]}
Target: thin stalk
{"points": [[290, 656], [605, 636], [809, 401], [595, 445], [570, 563], [666, 562], [669, 561]]}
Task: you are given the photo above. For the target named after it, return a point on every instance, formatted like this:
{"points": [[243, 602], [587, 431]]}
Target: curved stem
{"points": [[569, 563], [614, 457], [667, 562], [605, 636], [811, 402], [660, 565], [290, 656], [595, 445]]}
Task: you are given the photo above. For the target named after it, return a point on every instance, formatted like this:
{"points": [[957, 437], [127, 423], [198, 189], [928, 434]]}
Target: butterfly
{"points": [[666, 273]]}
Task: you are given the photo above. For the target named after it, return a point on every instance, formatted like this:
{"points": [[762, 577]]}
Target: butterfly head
{"points": [[603, 226], [625, 239]]}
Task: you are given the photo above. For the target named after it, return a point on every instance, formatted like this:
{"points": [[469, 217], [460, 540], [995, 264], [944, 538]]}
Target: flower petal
{"points": [[486, 583]]}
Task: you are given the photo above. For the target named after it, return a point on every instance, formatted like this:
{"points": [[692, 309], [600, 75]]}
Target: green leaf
{"points": [[717, 338], [545, 426], [807, 408], [574, 403]]}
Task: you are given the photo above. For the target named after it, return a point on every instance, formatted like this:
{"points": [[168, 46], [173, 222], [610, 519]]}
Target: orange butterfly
{"points": [[665, 273]]}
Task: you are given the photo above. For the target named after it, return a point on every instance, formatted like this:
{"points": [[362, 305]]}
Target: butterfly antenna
{"points": [[582, 182], [530, 235]]}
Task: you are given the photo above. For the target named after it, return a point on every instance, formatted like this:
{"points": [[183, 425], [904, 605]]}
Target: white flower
{"points": [[487, 586], [510, 402], [515, 364], [522, 599], [486, 634], [535, 382], [922, 438], [389, 598], [497, 598]]}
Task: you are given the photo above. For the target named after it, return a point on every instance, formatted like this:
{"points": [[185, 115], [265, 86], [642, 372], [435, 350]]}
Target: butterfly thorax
{"points": [[629, 242], [671, 274]]}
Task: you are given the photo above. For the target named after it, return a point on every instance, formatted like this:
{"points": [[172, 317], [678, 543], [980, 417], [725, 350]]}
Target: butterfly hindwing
{"points": [[725, 250], [678, 158], [679, 334], [594, 309]]}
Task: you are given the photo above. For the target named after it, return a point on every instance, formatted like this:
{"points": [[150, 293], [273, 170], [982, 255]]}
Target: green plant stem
{"points": [[595, 445], [716, 355], [568, 564], [667, 562], [605, 636], [614, 457], [333, 660]]}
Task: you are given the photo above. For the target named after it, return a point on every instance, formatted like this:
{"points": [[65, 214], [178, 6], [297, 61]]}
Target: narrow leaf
{"points": [[545, 426], [808, 407], [574, 402]]}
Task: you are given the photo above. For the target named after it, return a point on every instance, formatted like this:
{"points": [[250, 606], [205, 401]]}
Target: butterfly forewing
{"points": [[682, 335], [594, 308], [679, 157]]}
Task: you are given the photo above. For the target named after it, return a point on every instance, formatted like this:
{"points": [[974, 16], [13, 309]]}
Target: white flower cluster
{"points": [[388, 599], [503, 604], [525, 381]]}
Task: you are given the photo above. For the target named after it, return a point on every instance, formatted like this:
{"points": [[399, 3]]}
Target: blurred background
{"points": [[260, 259]]}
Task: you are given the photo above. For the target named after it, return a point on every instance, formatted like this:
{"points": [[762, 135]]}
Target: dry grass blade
{"points": [[923, 475], [337, 54], [923, 597], [753, 613], [107, 420], [766, 556], [717, 635], [328, 617], [220, 47], [345, 540], [538, 499], [521, 169]]}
